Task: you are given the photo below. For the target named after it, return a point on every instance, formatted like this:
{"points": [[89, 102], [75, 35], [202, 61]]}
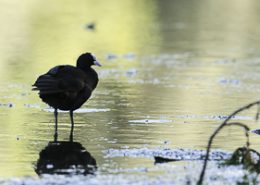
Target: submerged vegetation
{"points": [[241, 156]]}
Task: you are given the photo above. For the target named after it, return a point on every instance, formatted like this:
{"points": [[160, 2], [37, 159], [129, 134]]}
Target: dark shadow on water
{"points": [[66, 158]]}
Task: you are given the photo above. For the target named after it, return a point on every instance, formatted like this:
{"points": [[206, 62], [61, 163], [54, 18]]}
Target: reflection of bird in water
{"points": [[65, 158], [66, 87]]}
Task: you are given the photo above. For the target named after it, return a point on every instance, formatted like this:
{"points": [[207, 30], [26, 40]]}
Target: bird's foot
{"points": [[71, 138], [55, 137]]}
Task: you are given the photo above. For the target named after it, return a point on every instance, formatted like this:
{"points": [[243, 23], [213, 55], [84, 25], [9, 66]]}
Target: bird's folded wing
{"points": [[47, 84]]}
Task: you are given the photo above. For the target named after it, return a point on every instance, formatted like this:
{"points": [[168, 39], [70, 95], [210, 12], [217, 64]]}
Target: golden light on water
{"points": [[190, 62]]}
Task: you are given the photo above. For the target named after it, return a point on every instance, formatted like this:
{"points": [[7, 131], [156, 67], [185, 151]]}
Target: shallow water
{"points": [[172, 71]]}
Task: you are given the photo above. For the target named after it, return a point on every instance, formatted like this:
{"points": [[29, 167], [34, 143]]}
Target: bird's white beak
{"points": [[97, 63]]}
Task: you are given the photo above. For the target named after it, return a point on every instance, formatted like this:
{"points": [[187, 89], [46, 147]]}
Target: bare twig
{"points": [[257, 113], [225, 122], [246, 128]]}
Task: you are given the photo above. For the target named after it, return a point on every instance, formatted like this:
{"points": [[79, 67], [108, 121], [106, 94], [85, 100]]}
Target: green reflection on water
{"points": [[182, 51]]}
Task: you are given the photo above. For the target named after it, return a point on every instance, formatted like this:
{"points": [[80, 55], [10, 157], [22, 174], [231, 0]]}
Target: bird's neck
{"points": [[83, 67], [88, 70], [92, 77]]}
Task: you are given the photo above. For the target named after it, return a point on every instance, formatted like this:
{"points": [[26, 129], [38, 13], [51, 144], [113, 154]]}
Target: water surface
{"points": [[172, 71]]}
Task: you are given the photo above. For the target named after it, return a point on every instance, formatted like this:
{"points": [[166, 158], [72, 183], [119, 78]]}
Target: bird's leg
{"points": [[56, 125], [72, 125]]}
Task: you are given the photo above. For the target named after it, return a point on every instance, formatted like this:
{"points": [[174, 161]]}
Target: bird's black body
{"points": [[66, 87]]}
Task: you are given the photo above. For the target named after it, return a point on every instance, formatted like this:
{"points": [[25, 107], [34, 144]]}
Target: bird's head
{"points": [[86, 60]]}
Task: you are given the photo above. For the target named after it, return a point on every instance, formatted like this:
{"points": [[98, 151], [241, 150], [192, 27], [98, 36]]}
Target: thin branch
{"points": [[257, 113], [246, 128]]}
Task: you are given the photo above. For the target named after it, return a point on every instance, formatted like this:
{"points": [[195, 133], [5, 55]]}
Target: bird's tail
{"points": [[46, 84]]}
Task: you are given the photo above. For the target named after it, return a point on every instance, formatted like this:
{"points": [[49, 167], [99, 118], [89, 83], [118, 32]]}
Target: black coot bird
{"points": [[66, 87]]}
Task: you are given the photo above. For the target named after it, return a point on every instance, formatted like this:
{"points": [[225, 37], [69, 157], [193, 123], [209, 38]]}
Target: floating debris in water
{"points": [[91, 26], [213, 117], [125, 147], [225, 176], [228, 81], [225, 61], [230, 175], [20, 137], [150, 121], [32, 106], [111, 56], [24, 94], [166, 142], [130, 170], [178, 154], [129, 56], [154, 81], [131, 72], [9, 105], [82, 110]]}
